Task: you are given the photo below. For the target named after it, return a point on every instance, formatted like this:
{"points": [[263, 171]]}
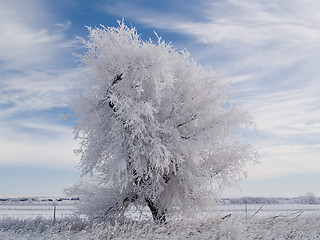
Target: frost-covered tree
{"points": [[156, 128], [309, 198]]}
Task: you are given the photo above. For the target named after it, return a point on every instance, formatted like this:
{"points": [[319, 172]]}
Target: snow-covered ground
{"points": [[233, 227], [34, 220]]}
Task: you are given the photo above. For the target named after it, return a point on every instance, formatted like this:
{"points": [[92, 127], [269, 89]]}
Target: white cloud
{"points": [[33, 151], [64, 26], [37, 139], [284, 160], [286, 113], [36, 77], [262, 32], [35, 91], [33, 57], [288, 131], [28, 39]]}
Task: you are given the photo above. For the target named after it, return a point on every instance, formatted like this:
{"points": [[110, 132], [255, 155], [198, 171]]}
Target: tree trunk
{"points": [[158, 214]]}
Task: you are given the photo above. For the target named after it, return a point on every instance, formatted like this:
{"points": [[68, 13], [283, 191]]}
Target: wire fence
{"points": [[65, 208]]}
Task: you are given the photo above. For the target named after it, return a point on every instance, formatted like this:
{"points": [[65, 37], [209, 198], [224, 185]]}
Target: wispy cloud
{"points": [[36, 76], [34, 91], [28, 40], [283, 160], [30, 149], [269, 31], [33, 56]]}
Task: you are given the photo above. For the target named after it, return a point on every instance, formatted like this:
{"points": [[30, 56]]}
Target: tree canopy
{"points": [[155, 127]]}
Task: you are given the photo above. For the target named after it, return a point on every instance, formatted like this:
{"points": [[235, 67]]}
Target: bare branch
{"points": [[194, 117], [117, 79], [257, 211], [101, 103]]}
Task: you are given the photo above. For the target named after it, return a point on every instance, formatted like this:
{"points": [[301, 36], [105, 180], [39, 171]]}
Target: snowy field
{"points": [[65, 208], [34, 220], [33, 209]]}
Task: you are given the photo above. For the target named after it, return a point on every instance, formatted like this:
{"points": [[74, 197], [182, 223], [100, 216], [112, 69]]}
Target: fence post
{"points": [[54, 204]]}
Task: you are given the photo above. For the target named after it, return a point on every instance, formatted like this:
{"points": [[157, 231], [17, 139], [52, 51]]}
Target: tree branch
{"points": [[117, 79], [101, 103], [194, 117]]}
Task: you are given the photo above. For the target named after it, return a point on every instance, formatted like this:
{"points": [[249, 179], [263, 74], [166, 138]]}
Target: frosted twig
{"points": [[257, 211], [227, 216]]}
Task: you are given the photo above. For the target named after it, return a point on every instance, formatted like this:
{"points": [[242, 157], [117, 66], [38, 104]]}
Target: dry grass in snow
{"points": [[233, 227]]}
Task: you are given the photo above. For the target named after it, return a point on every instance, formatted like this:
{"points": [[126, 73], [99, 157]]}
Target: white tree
{"points": [[309, 198], [156, 128]]}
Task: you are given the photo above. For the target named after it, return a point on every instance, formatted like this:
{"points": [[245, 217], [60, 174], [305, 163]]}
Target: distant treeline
{"points": [[309, 198], [24, 199], [251, 200]]}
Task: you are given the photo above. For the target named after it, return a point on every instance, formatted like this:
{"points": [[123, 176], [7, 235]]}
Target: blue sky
{"points": [[269, 50]]}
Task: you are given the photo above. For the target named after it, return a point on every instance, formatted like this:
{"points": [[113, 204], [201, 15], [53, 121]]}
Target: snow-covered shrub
{"points": [[309, 198], [155, 127]]}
